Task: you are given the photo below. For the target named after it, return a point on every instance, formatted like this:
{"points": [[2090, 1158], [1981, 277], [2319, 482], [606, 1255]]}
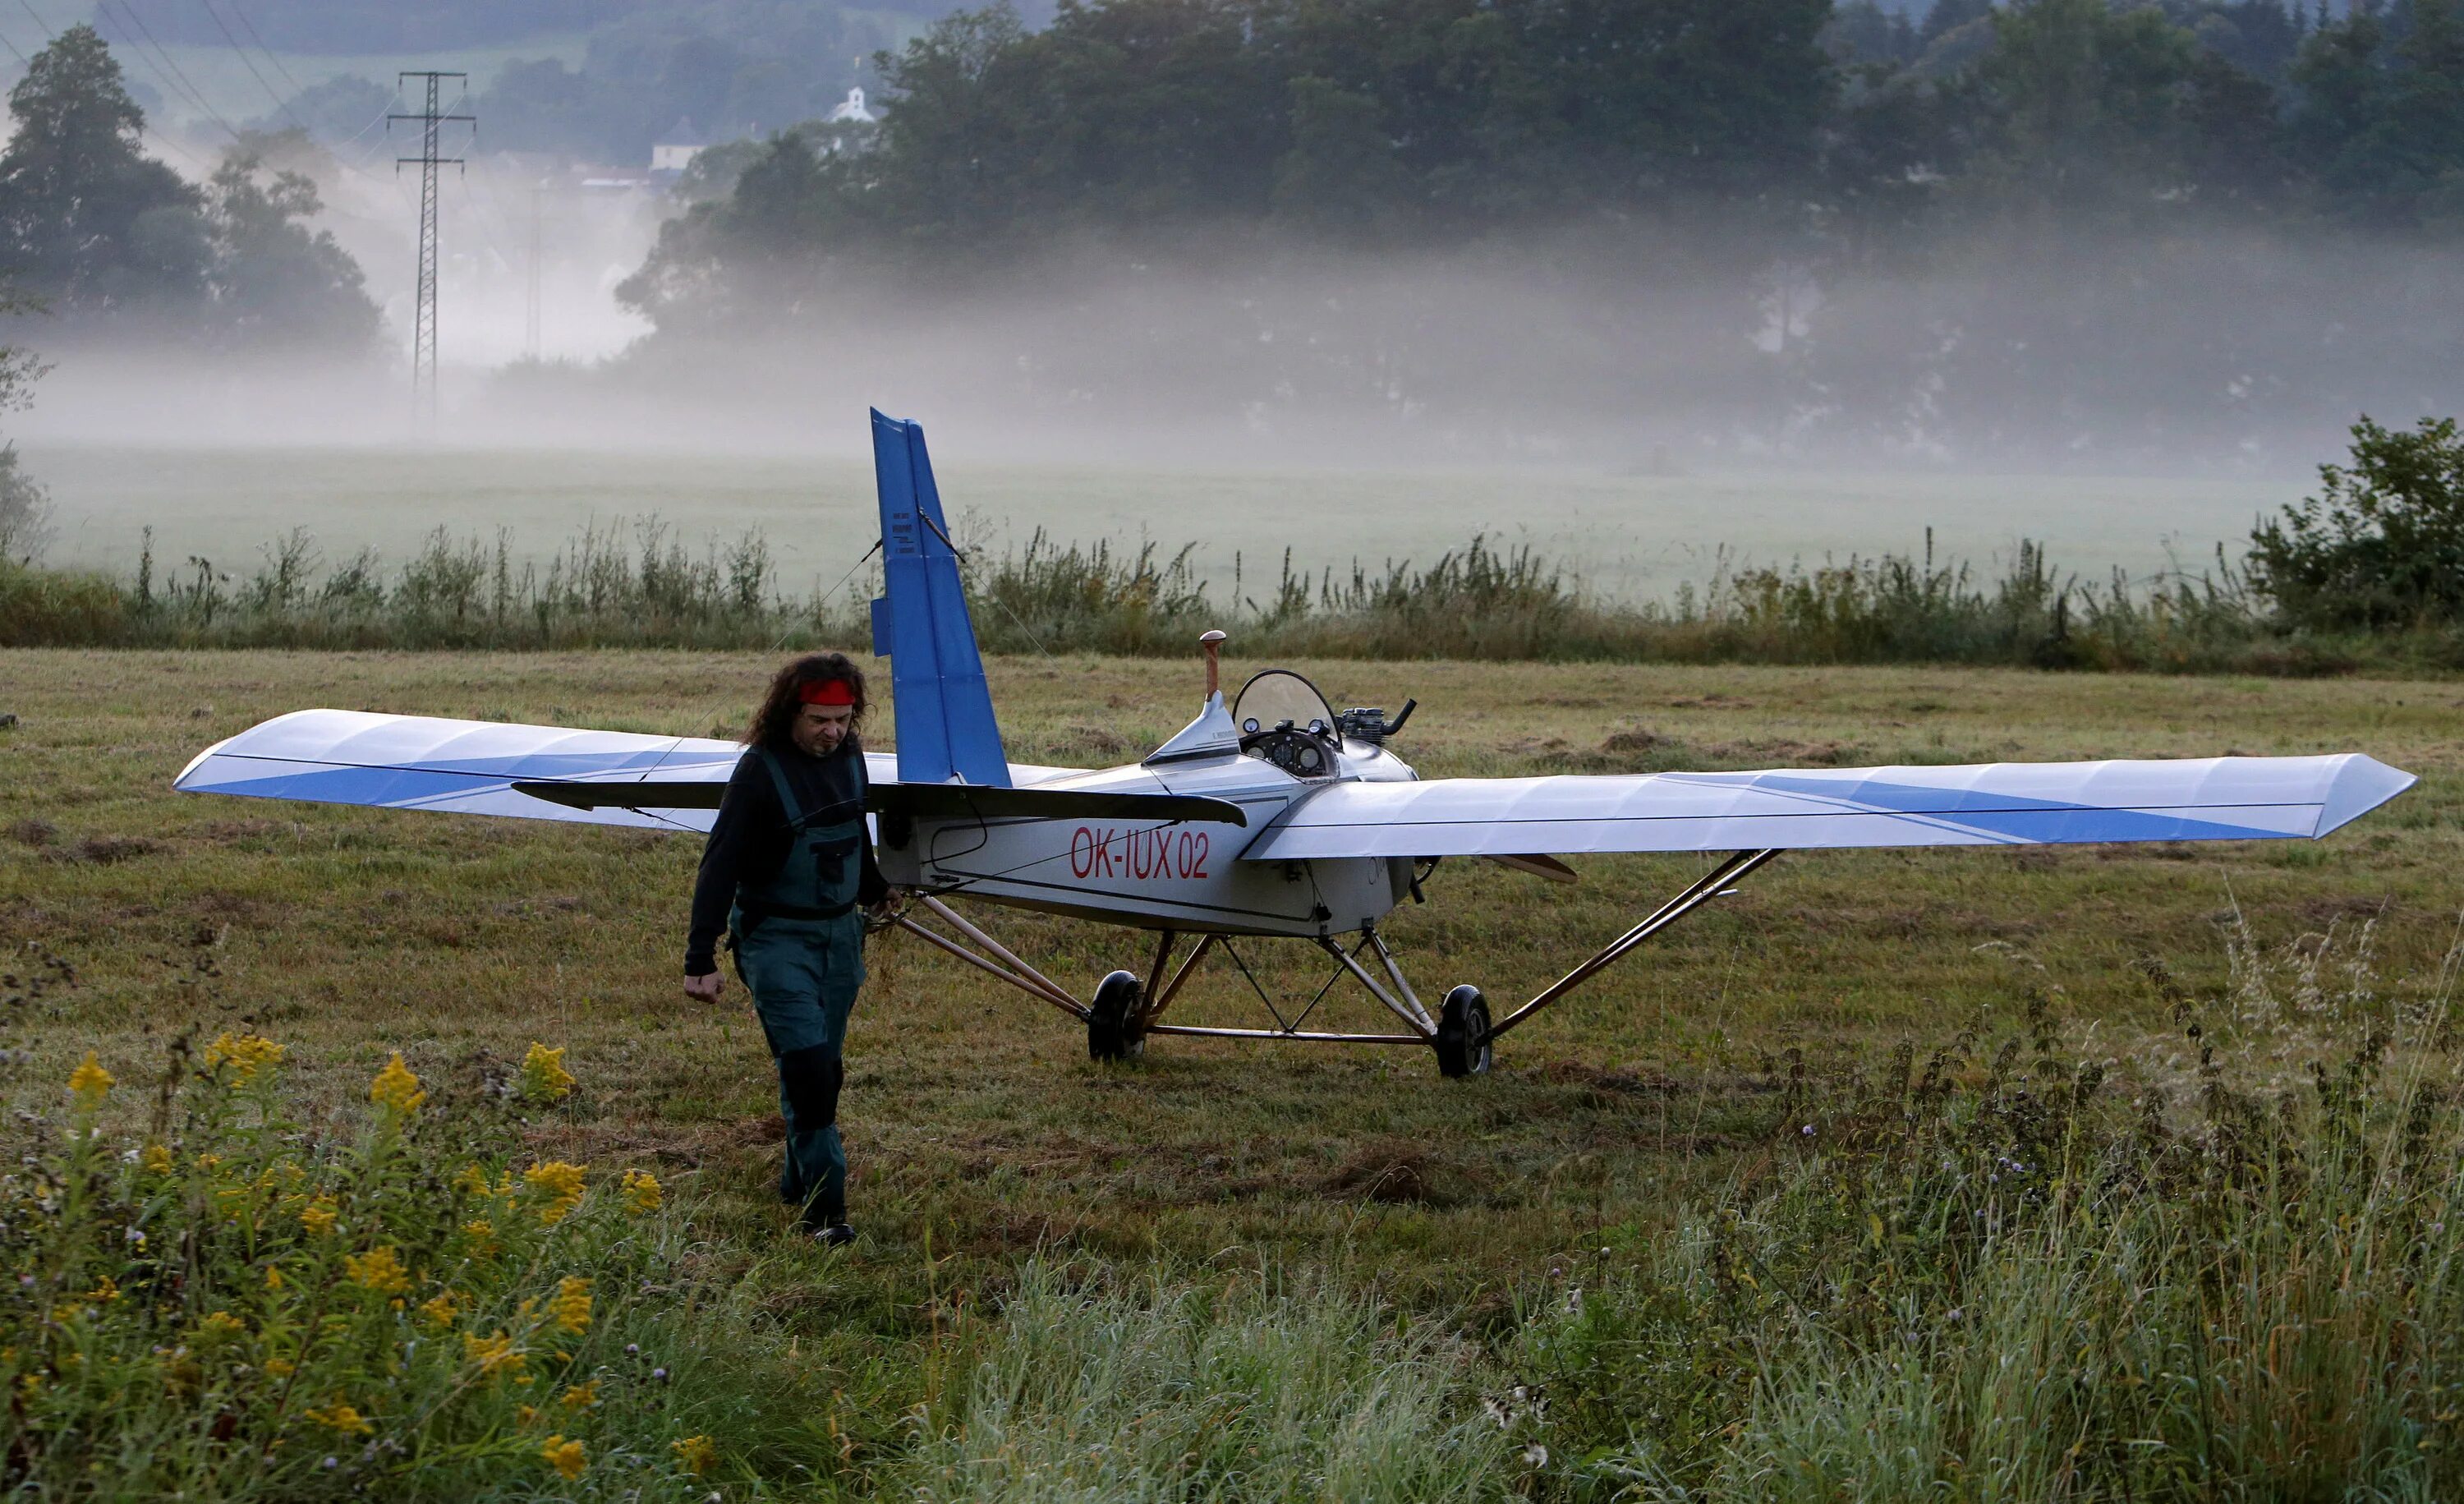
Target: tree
{"points": [[277, 283], [2383, 543], [89, 224], [25, 511]]}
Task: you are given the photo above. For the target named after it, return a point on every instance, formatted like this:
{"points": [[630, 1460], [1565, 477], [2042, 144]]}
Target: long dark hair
{"points": [[785, 702]]}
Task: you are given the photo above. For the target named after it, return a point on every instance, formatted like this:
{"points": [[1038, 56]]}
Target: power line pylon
{"points": [[423, 329]]}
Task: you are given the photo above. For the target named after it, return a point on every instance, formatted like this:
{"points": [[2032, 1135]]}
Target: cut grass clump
{"points": [[1197, 1389]]}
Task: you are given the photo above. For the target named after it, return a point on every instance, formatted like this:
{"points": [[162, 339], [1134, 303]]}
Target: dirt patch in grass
{"points": [[108, 850], [33, 833], [1782, 752], [1394, 1173], [2345, 908]]}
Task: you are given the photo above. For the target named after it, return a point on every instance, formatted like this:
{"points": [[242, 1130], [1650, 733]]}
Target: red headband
{"points": [[827, 692]]}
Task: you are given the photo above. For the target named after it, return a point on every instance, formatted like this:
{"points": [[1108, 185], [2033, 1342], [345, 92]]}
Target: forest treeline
{"points": [[2051, 232], [1831, 126]]}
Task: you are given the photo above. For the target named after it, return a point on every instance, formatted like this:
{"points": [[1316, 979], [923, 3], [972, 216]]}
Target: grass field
{"points": [[1628, 537], [986, 1146]]}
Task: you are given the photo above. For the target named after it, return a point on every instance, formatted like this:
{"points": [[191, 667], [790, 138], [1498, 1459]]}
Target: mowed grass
{"points": [[977, 1126]]}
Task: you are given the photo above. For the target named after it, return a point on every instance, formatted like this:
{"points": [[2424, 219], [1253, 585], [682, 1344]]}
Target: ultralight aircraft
{"points": [[1270, 815]]}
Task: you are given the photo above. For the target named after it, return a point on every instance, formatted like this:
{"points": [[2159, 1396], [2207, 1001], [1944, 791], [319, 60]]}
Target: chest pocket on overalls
{"points": [[820, 878]]}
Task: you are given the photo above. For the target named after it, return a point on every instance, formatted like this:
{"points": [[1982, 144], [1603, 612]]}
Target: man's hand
{"points": [[705, 987], [879, 916]]}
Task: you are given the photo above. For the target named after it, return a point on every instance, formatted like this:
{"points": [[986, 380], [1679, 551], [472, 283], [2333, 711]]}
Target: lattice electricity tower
{"points": [[423, 331]]}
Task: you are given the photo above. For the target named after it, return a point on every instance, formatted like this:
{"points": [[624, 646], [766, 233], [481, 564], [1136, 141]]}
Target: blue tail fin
{"points": [[946, 729]]}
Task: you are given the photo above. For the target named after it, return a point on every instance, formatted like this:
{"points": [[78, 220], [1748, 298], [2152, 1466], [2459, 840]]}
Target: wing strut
{"points": [[1008, 967], [1667, 913]]}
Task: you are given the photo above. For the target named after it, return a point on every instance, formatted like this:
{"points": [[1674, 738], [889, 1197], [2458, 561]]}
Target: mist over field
{"points": [[1808, 279]]}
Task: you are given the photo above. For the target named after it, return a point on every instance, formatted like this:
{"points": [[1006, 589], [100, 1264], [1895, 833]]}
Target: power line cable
{"points": [[249, 63], [160, 140], [21, 57], [249, 27], [194, 95]]}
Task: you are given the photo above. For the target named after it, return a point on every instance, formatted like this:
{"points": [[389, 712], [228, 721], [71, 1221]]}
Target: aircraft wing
{"points": [[345, 757], [1997, 803]]}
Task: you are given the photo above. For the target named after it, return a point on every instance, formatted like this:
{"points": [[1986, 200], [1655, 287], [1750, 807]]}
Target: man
{"points": [[788, 863]]}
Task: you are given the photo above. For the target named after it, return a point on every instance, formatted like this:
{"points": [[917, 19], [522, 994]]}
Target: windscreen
{"points": [[1278, 695]]}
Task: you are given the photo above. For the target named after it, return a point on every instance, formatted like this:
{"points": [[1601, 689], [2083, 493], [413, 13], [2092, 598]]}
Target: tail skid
{"points": [[946, 730]]}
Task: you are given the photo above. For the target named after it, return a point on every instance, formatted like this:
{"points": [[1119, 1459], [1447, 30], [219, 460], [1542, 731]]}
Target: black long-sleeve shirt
{"points": [[749, 839]]}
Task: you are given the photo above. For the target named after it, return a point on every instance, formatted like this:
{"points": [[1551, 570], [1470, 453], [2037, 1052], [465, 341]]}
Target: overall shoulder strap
{"points": [[788, 805]]}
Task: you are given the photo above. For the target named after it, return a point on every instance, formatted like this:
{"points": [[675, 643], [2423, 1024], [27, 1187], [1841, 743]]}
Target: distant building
{"points": [[851, 110], [674, 151]]}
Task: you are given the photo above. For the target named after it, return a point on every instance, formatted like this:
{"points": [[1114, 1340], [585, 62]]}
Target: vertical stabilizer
{"points": [[945, 712]]}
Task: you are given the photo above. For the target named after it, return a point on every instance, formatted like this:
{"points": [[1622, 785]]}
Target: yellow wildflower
{"points": [[319, 1215], [278, 1369], [380, 1269], [244, 1053], [340, 1417], [439, 1310], [571, 1306], [273, 1277], [525, 1413], [157, 1159], [695, 1452], [29, 1384], [642, 1192], [564, 1456], [218, 1325], [494, 1354], [561, 1184], [544, 1077], [105, 1292], [482, 1235], [582, 1396], [90, 1083], [471, 1181], [395, 1087]]}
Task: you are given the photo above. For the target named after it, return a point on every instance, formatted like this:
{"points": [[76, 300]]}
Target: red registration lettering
{"points": [[1158, 855]]}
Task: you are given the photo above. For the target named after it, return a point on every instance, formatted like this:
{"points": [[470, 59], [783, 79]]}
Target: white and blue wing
{"points": [[345, 757], [1997, 803]]}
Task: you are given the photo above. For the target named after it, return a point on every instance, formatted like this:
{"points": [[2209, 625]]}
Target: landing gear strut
{"points": [[1126, 1011]]}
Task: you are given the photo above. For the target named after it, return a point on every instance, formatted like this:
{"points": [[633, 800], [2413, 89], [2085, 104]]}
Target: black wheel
{"points": [[1112, 1022], [1462, 1033]]}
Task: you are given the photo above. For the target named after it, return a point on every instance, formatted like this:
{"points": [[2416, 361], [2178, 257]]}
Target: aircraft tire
{"points": [[1111, 1034], [1462, 1033]]}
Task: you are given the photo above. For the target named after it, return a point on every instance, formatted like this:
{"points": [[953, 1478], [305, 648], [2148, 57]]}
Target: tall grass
{"points": [[1171, 1390], [2014, 1286], [639, 585]]}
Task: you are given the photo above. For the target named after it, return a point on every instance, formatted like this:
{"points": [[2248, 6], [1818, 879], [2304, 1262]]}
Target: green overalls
{"points": [[800, 948]]}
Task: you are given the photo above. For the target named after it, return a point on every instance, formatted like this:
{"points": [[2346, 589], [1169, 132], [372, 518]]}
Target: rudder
{"points": [[946, 730]]}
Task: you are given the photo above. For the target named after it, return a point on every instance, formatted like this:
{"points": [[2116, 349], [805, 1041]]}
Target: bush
{"points": [[2382, 545], [227, 1304]]}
